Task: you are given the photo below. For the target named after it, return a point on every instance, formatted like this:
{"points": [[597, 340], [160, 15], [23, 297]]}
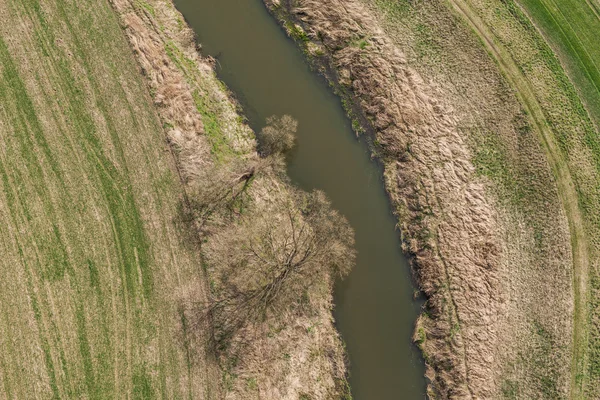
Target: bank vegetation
{"points": [[491, 164], [270, 252]]}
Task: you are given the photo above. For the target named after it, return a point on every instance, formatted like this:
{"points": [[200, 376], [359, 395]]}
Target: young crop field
{"points": [[93, 246], [571, 28]]}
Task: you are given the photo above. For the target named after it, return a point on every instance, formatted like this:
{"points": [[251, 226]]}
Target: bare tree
{"points": [[278, 137], [264, 251], [270, 259], [220, 191]]}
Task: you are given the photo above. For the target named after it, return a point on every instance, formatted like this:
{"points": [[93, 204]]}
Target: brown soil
{"points": [[479, 210]]}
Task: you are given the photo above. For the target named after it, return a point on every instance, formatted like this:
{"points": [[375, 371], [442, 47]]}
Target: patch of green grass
{"points": [[426, 43], [571, 28], [142, 384], [420, 336], [547, 380], [360, 42], [296, 32], [220, 146], [146, 6], [394, 9], [510, 390], [251, 383]]}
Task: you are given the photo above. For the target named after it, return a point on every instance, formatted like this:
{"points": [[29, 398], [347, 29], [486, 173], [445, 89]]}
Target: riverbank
{"points": [[477, 189], [296, 352]]}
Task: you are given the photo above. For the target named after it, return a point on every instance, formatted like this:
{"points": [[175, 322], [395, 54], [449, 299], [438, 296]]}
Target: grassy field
{"points": [[572, 148], [571, 143], [92, 249], [566, 187], [571, 28]]}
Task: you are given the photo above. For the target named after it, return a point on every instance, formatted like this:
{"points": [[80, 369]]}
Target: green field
{"points": [[572, 28], [93, 256]]}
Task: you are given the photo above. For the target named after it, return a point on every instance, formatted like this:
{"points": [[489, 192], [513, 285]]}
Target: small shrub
{"points": [[278, 137]]}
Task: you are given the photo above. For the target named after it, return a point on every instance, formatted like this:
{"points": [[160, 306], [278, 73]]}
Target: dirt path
{"points": [[567, 191]]}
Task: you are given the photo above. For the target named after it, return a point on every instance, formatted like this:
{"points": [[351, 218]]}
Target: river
{"points": [[375, 311]]}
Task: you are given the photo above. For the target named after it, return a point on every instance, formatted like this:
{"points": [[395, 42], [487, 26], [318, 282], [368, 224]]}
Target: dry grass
{"points": [[572, 146], [442, 111]]}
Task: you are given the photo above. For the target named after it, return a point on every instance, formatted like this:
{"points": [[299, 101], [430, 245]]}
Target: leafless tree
{"points": [[220, 191], [270, 259], [278, 137]]}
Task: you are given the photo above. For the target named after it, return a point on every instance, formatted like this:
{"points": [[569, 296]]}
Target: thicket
{"points": [[266, 242]]}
